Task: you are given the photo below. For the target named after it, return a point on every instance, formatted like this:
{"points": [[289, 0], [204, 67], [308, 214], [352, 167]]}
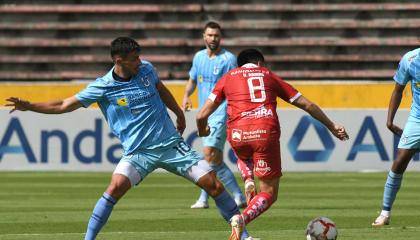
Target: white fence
{"points": [[81, 141]]}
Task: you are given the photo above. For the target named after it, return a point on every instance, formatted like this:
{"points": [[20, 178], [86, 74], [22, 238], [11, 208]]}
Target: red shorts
{"points": [[260, 144]]}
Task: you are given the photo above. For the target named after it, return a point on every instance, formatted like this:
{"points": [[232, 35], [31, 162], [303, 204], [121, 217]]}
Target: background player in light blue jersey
{"points": [[208, 66], [134, 102], [410, 138]]}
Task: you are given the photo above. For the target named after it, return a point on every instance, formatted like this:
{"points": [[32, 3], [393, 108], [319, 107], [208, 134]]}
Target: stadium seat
{"points": [[346, 40]]}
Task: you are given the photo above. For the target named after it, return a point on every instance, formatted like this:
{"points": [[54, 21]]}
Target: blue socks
{"points": [[100, 215], [227, 207], [204, 196], [392, 185], [228, 179]]}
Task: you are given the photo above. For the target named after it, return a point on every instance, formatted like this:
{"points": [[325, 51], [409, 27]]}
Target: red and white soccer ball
{"points": [[321, 228]]}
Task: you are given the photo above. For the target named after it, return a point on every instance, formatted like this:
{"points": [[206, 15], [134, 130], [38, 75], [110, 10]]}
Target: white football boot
{"points": [[381, 221], [200, 204], [238, 224], [250, 190]]}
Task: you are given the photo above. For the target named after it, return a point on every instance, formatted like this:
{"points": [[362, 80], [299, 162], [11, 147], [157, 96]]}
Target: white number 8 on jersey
{"points": [[253, 88]]}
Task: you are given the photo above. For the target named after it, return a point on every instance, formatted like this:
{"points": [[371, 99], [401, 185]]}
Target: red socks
{"points": [[259, 204], [245, 168]]}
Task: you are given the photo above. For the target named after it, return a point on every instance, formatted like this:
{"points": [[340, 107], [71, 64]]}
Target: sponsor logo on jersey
{"points": [[246, 71], [249, 136], [236, 135], [262, 167], [135, 111], [139, 97], [122, 102], [259, 112]]}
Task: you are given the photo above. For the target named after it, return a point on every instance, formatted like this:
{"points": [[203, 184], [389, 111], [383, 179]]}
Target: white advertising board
{"points": [[81, 141]]}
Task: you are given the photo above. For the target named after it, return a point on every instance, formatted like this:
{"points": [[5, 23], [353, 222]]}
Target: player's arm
{"points": [[189, 90], [394, 104], [171, 103], [316, 112], [50, 107], [203, 115]]}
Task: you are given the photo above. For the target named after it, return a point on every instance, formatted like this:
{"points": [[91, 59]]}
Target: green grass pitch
{"points": [[51, 205]]}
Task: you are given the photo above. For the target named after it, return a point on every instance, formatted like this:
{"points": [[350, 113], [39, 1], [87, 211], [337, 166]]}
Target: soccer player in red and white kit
{"points": [[253, 128]]}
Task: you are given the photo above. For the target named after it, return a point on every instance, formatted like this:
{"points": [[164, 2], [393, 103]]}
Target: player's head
{"points": [[125, 53], [250, 56], [212, 34]]}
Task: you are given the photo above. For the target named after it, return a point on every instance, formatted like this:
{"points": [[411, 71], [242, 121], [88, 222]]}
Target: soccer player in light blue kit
{"points": [[208, 66], [410, 138], [134, 102]]}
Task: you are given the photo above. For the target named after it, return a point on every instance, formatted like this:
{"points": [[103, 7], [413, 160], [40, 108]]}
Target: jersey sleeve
{"points": [[193, 70], [284, 90], [402, 74], [92, 93], [232, 62], [218, 93]]}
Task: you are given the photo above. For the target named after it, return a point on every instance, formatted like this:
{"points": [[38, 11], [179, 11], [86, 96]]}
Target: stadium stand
{"points": [[303, 40]]}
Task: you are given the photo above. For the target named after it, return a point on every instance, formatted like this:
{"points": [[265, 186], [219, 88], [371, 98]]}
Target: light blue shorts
{"points": [[410, 138], [217, 137], [173, 155]]}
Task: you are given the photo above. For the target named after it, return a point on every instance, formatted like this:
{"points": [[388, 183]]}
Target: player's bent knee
{"points": [[119, 186], [213, 186], [218, 189], [123, 178]]}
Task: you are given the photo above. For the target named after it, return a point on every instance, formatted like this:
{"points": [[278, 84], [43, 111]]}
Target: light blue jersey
{"points": [[133, 109], [207, 72], [409, 70]]}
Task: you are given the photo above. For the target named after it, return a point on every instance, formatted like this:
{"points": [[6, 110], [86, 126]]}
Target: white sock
{"points": [[386, 213]]}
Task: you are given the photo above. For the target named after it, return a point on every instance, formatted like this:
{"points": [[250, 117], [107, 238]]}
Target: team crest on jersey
{"points": [[145, 80], [262, 167], [236, 135], [216, 70], [200, 78], [418, 84], [122, 102]]}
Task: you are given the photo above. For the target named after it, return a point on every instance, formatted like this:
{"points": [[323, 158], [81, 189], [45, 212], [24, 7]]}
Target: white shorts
{"points": [[194, 173]]}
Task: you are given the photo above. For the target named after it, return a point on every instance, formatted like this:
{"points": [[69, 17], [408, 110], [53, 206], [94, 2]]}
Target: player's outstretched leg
{"points": [[100, 215], [259, 204], [224, 202], [120, 184], [263, 200]]}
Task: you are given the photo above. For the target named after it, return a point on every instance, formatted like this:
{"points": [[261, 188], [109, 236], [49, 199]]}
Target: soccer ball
{"points": [[321, 228]]}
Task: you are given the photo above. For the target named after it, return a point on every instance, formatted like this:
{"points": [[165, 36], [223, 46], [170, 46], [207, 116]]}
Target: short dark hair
{"points": [[212, 24], [122, 46], [249, 56]]}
